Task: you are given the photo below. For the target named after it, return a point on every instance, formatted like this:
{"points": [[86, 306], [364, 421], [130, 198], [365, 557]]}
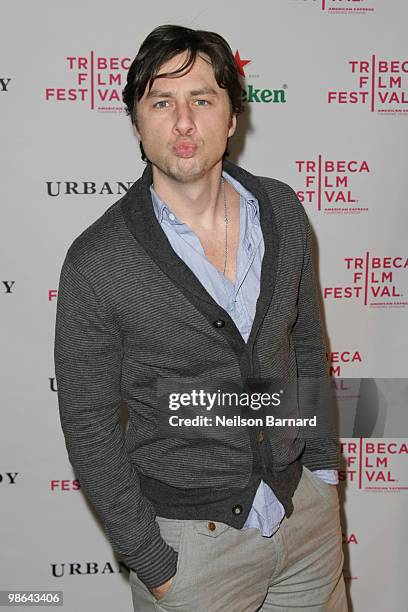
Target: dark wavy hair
{"points": [[164, 43]]}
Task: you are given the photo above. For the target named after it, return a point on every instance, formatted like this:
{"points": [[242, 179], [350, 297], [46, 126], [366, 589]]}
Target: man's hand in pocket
{"points": [[161, 590]]}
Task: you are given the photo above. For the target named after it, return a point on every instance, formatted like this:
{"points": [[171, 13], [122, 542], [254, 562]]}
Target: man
{"points": [[201, 272]]}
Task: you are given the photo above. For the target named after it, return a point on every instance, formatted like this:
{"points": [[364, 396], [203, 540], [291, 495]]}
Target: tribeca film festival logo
{"points": [[342, 7], [375, 281], [374, 465], [338, 360], [96, 80], [328, 184], [252, 94], [65, 484], [378, 84]]}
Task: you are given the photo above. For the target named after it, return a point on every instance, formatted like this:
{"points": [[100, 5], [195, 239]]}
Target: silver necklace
{"points": [[226, 224]]}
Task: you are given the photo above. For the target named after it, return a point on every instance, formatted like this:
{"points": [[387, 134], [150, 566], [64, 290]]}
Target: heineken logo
{"points": [[254, 94], [241, 63]]}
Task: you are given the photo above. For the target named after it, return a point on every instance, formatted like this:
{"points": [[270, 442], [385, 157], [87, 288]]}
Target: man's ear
{"points": [[136, 131], [232, 125]]}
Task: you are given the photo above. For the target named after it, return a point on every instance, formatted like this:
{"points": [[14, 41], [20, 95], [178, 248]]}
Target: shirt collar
{"points": [[162, 210], [250, 200]]}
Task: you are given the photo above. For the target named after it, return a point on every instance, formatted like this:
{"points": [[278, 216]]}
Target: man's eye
{"points": [[205, 102], [160, 104]]}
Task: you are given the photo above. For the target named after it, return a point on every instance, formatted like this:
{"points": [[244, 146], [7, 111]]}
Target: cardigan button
{"points": [[237, 509], [212, 526], [219, 323]]}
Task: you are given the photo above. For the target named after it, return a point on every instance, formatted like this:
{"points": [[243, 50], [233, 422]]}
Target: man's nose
{"points": [[184, 121]]}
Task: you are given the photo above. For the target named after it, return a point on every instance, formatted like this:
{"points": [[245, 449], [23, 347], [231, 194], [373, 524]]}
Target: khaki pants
{"points": [[224, 569]]}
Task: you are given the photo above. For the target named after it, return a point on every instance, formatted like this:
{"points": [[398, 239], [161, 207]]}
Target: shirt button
{"points": [[171, 217], [237, 509], [212, 526], [219, 323]]}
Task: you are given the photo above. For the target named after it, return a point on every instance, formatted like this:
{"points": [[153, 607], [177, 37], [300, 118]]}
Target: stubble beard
{"points": [[184, 170]]}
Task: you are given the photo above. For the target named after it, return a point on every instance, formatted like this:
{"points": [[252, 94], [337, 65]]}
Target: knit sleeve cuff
{"points": [[155, 564]]}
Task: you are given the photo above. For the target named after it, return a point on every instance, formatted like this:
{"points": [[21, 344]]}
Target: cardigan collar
{"points": [[139, 216]]}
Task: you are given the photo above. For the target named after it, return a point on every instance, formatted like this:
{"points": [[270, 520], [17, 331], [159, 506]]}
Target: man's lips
{"points": [[184, 149]]}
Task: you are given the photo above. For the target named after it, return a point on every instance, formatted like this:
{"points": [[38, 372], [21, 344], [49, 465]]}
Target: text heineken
{"points": [[252, 94]]}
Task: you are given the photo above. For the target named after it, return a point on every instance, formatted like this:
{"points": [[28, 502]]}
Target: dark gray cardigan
{"points": [[130, 314]]}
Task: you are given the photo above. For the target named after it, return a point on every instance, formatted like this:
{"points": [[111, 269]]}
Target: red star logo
{"points": [[241, 63]]}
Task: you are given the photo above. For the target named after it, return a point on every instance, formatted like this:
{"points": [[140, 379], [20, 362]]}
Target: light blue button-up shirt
{"points": [[239, 300]]}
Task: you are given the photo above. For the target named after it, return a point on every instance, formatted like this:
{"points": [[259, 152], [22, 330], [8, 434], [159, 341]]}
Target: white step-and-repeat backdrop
{"points": [[326, 86]]}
